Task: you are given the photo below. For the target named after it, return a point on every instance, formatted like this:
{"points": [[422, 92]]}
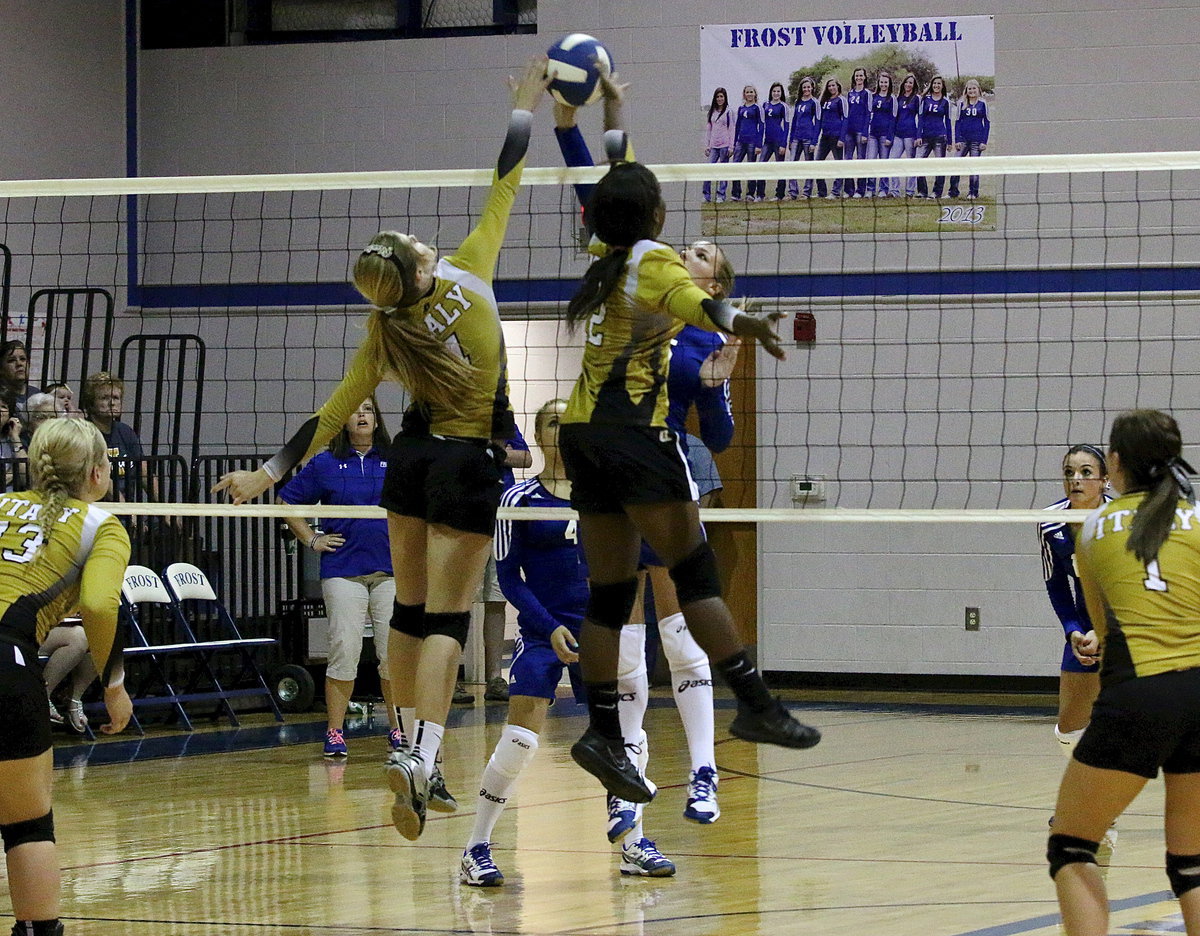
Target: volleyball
{"points": [[576, 63]]}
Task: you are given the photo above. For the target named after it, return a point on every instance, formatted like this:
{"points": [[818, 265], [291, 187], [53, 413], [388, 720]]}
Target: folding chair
{"points": [[195, 604], [143, 586]]}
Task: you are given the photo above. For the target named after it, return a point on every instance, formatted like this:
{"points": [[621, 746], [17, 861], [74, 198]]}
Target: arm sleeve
{"points": [[716, 417], [762, 128], [534, 616], [1058, 587], [664, 283], [987, 124], [100, 594], [479, 252], [359, 383], [576, 153]]}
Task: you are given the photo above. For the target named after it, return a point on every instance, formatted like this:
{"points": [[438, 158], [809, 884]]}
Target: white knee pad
{"points": [[679, 646], [1067, 740], [514, 751], [631, 663]]}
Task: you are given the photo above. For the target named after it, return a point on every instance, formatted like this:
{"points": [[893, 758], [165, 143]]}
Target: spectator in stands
{"points": [[66, 647], [102, 399], [12, 445], [356, 564], [40, 407], [64, 399], [14, 373]]}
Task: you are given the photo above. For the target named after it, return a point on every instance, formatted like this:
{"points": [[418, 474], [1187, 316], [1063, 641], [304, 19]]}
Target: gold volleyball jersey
{"points": [[461, 311], [1147, 615], [627, 354], [82, 566]]}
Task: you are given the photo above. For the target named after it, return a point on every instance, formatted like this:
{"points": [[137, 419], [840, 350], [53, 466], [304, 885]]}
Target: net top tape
{"points": [[442, 178]]}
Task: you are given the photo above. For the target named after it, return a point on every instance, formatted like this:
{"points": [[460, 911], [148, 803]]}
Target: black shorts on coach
{"points": [[455, 482], [610, 466]]}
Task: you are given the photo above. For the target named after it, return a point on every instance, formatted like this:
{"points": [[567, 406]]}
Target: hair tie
{"points": [[1182, 471], [382, 249]]}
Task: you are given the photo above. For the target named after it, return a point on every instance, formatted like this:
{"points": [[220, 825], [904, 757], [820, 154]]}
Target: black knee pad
{"points": [[696, 576], [449, 624], [610, 605], [408, 619], [1183, 871], [30, 830], [1063, 850]]}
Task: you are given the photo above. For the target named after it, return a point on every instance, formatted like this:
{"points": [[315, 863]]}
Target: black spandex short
{"points": [[611, 466], [26, 712], [1145, 723], [456, 482]]}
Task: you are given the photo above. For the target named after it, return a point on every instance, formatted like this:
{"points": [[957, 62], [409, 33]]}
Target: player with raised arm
{"points": [[60, 552], [629, 476], [436, 330]]}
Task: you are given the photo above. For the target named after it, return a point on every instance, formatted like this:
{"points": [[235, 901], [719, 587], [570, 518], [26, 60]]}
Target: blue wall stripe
{"points": [[967, 283]]}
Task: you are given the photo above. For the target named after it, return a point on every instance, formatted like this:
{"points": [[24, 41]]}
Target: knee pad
{"points": [[1183, 871], [29, 830], [449, 624], [679, 646], [610, 605], [1063, 850], [696, 576], [408, 619], [631, 661], [514, 751], [1067, 740]]}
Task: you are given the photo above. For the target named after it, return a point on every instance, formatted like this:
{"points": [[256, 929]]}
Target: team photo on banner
{"points": [[848, 90]]}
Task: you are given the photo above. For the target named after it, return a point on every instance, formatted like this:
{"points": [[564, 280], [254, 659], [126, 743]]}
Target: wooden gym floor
{"points": [[907, 820]]}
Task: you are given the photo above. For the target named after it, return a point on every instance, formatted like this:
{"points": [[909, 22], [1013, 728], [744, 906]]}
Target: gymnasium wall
{"points": [[832, 598]]}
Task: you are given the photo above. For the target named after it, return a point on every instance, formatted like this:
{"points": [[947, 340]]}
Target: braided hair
{"points": [[62, 454]]}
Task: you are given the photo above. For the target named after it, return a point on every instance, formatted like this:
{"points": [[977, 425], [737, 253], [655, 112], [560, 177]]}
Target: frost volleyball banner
{"points": [[845, 90]]}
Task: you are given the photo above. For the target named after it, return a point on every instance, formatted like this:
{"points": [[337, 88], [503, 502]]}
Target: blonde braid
{"points": [[56, 498]]}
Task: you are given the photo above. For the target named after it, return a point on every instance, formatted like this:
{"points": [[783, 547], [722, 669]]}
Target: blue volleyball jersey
{"points": [[689, 349], [908, 107], [776, 123], [749, 127], [972, 125], [356, 479], [833, 116], [934, 122], [1058, 569], [858, 116], [540, 565], [883, 116], [805, 126]]}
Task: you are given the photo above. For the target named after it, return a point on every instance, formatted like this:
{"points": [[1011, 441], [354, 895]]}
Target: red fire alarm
{"points": [[804, 327]]}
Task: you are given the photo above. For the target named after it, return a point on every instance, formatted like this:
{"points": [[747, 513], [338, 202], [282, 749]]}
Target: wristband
{"points": [[312, 543], [118, 684]]}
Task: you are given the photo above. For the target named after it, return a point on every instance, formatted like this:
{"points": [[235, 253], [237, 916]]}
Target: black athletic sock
{"points": [[602, 699], [37, 928], [744, 680]]}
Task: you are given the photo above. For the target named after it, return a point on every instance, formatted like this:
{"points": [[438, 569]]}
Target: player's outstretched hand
{"points": [[527, 90], [762, 329], [242, 486], [120, 709], [718, 366], [564, 645]]}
